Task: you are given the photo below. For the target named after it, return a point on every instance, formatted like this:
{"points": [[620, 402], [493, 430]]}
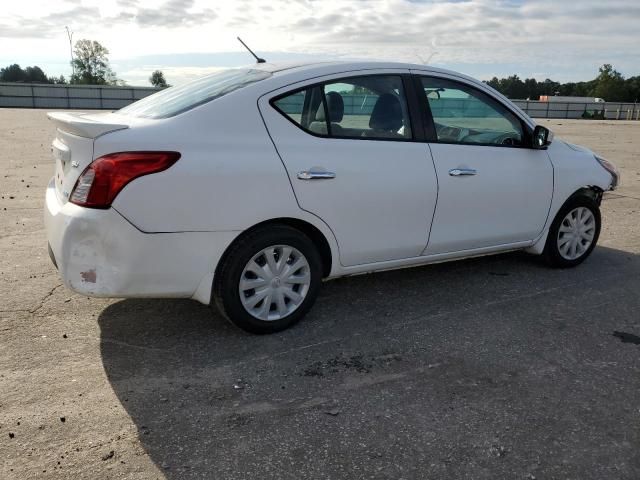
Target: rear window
{"points": [[176, 100]]}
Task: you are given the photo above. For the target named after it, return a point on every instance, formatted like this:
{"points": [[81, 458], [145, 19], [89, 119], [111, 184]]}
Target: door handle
{"points": [[457, 172], [315, 175]]}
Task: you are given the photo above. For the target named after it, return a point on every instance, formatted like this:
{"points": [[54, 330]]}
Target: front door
{"points": [[493, 189], [348, 147]]}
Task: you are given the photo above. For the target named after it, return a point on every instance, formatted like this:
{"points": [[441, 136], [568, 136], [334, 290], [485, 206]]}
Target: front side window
{"points": [[465, 115], [369, 107]]}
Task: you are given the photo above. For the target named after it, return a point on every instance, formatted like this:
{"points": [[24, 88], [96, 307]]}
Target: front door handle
{"points": [[457, 172], [316, 175]]}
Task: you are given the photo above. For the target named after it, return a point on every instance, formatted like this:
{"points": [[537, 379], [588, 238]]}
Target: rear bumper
{"points": [[99, 253]]}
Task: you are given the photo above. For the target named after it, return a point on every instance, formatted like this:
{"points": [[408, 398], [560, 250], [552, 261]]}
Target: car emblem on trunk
{"points": [[75, 164]]}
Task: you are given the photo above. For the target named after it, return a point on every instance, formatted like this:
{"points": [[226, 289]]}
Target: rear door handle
{"points": [[457, 172], [315, 175]]}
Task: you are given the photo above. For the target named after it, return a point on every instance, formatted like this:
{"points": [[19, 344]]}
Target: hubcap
{"points": [[576, 233], [275, 282]]}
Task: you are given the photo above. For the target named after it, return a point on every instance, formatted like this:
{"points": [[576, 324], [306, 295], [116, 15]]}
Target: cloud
{"points": [[570, 39], [170, 14], [541, 33], [173, 13], [48, 25]]}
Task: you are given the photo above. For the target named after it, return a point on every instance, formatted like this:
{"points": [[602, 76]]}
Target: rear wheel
{"points": [[269, 279], [573, 233]]}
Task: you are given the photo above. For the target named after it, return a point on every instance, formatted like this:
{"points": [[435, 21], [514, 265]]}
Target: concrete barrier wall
{"points": [[610, 110], [33, 95], [102, 97]]}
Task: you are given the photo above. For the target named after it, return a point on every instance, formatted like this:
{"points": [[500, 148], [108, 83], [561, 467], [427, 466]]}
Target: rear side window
{"points": [[368, 107], [293, 105], [176, 100]]}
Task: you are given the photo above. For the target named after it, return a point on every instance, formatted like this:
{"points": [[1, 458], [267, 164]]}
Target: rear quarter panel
{"points": [[228, 178]]}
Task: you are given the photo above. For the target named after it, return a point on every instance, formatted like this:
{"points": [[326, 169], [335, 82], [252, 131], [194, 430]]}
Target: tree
{"points": [[13, 73], [633, 89], [610, 85], [58, 80], [36, 75], [157, 79], [91, 64]]}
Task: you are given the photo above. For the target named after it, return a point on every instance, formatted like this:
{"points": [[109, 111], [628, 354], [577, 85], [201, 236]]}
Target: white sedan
{"points": [[250, 186]]}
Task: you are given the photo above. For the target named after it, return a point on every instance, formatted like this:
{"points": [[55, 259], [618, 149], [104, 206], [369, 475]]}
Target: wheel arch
{"points": [[593, 191], [317, 237]]}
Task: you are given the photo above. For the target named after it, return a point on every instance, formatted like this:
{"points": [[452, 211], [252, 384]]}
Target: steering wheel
{"points": [[506, 139]]}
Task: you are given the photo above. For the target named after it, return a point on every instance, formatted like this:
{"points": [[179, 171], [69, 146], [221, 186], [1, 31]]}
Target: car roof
{"points": [[340, 65], [298, 71]]}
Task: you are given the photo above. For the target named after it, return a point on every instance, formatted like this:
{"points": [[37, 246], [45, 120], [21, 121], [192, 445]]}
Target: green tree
{"points": [[91, 64], [157, 79], [58, 80], [610, 85], [36, 75], [633, 89], [531, 89], [513, 87], [494, 83], [13, 73]]}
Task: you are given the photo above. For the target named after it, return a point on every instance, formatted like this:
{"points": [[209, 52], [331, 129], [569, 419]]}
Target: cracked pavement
{"points": [[496, 367]]}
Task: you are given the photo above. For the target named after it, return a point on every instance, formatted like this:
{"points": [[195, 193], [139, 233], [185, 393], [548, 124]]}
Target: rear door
{"points": [[494, 190], [349, 147]]}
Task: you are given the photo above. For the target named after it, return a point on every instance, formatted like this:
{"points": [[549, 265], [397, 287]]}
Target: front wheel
{"points": [[269, 279], [573, 233]]}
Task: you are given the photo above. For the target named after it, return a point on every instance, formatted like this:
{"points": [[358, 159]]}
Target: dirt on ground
{"points": [[489, 368]]}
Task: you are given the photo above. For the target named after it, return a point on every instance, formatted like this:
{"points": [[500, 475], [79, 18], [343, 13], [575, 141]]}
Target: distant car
{"points": [[250, 186]]}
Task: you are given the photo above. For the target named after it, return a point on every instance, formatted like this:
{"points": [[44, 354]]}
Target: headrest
{"points": [[386, 114], [335, 105]]}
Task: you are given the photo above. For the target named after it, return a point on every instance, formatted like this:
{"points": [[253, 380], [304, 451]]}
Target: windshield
{"points": [[175, 100]]}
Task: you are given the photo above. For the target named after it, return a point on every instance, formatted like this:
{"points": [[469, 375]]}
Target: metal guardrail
{"points": [[38, 95]]}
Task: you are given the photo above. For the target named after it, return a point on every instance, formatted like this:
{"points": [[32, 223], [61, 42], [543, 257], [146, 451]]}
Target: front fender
{"points": [[575, 169]]}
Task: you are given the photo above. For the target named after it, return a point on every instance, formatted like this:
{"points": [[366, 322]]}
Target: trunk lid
{"points": [[72, 149]]}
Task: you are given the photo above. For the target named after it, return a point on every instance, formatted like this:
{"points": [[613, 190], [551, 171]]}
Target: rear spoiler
{"points": [[82, 124]]}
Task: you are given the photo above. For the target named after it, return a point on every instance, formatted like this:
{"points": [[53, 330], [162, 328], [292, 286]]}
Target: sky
{"points": [[559, 39]]}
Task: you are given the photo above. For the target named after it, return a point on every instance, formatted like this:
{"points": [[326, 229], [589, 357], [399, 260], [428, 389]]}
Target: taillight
{"points": [[106, 176]]}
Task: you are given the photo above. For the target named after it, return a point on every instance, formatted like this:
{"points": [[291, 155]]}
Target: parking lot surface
{"points": [[489, 368]]}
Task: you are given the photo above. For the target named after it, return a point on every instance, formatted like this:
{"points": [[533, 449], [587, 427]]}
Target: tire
{"points": [[288, 291], [561, 255]]}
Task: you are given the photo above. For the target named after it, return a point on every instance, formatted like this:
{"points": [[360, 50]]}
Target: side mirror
{"points": [[542, 137]]}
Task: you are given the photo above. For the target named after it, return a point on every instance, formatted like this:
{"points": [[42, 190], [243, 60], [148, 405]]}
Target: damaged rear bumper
{"points": [[99, 253]]}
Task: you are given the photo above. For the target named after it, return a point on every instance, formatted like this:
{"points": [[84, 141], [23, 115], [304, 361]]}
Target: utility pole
{"points": [[70, 35]]}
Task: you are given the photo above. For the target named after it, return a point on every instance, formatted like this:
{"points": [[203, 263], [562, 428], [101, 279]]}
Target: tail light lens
{"points": [[106, 176]]}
